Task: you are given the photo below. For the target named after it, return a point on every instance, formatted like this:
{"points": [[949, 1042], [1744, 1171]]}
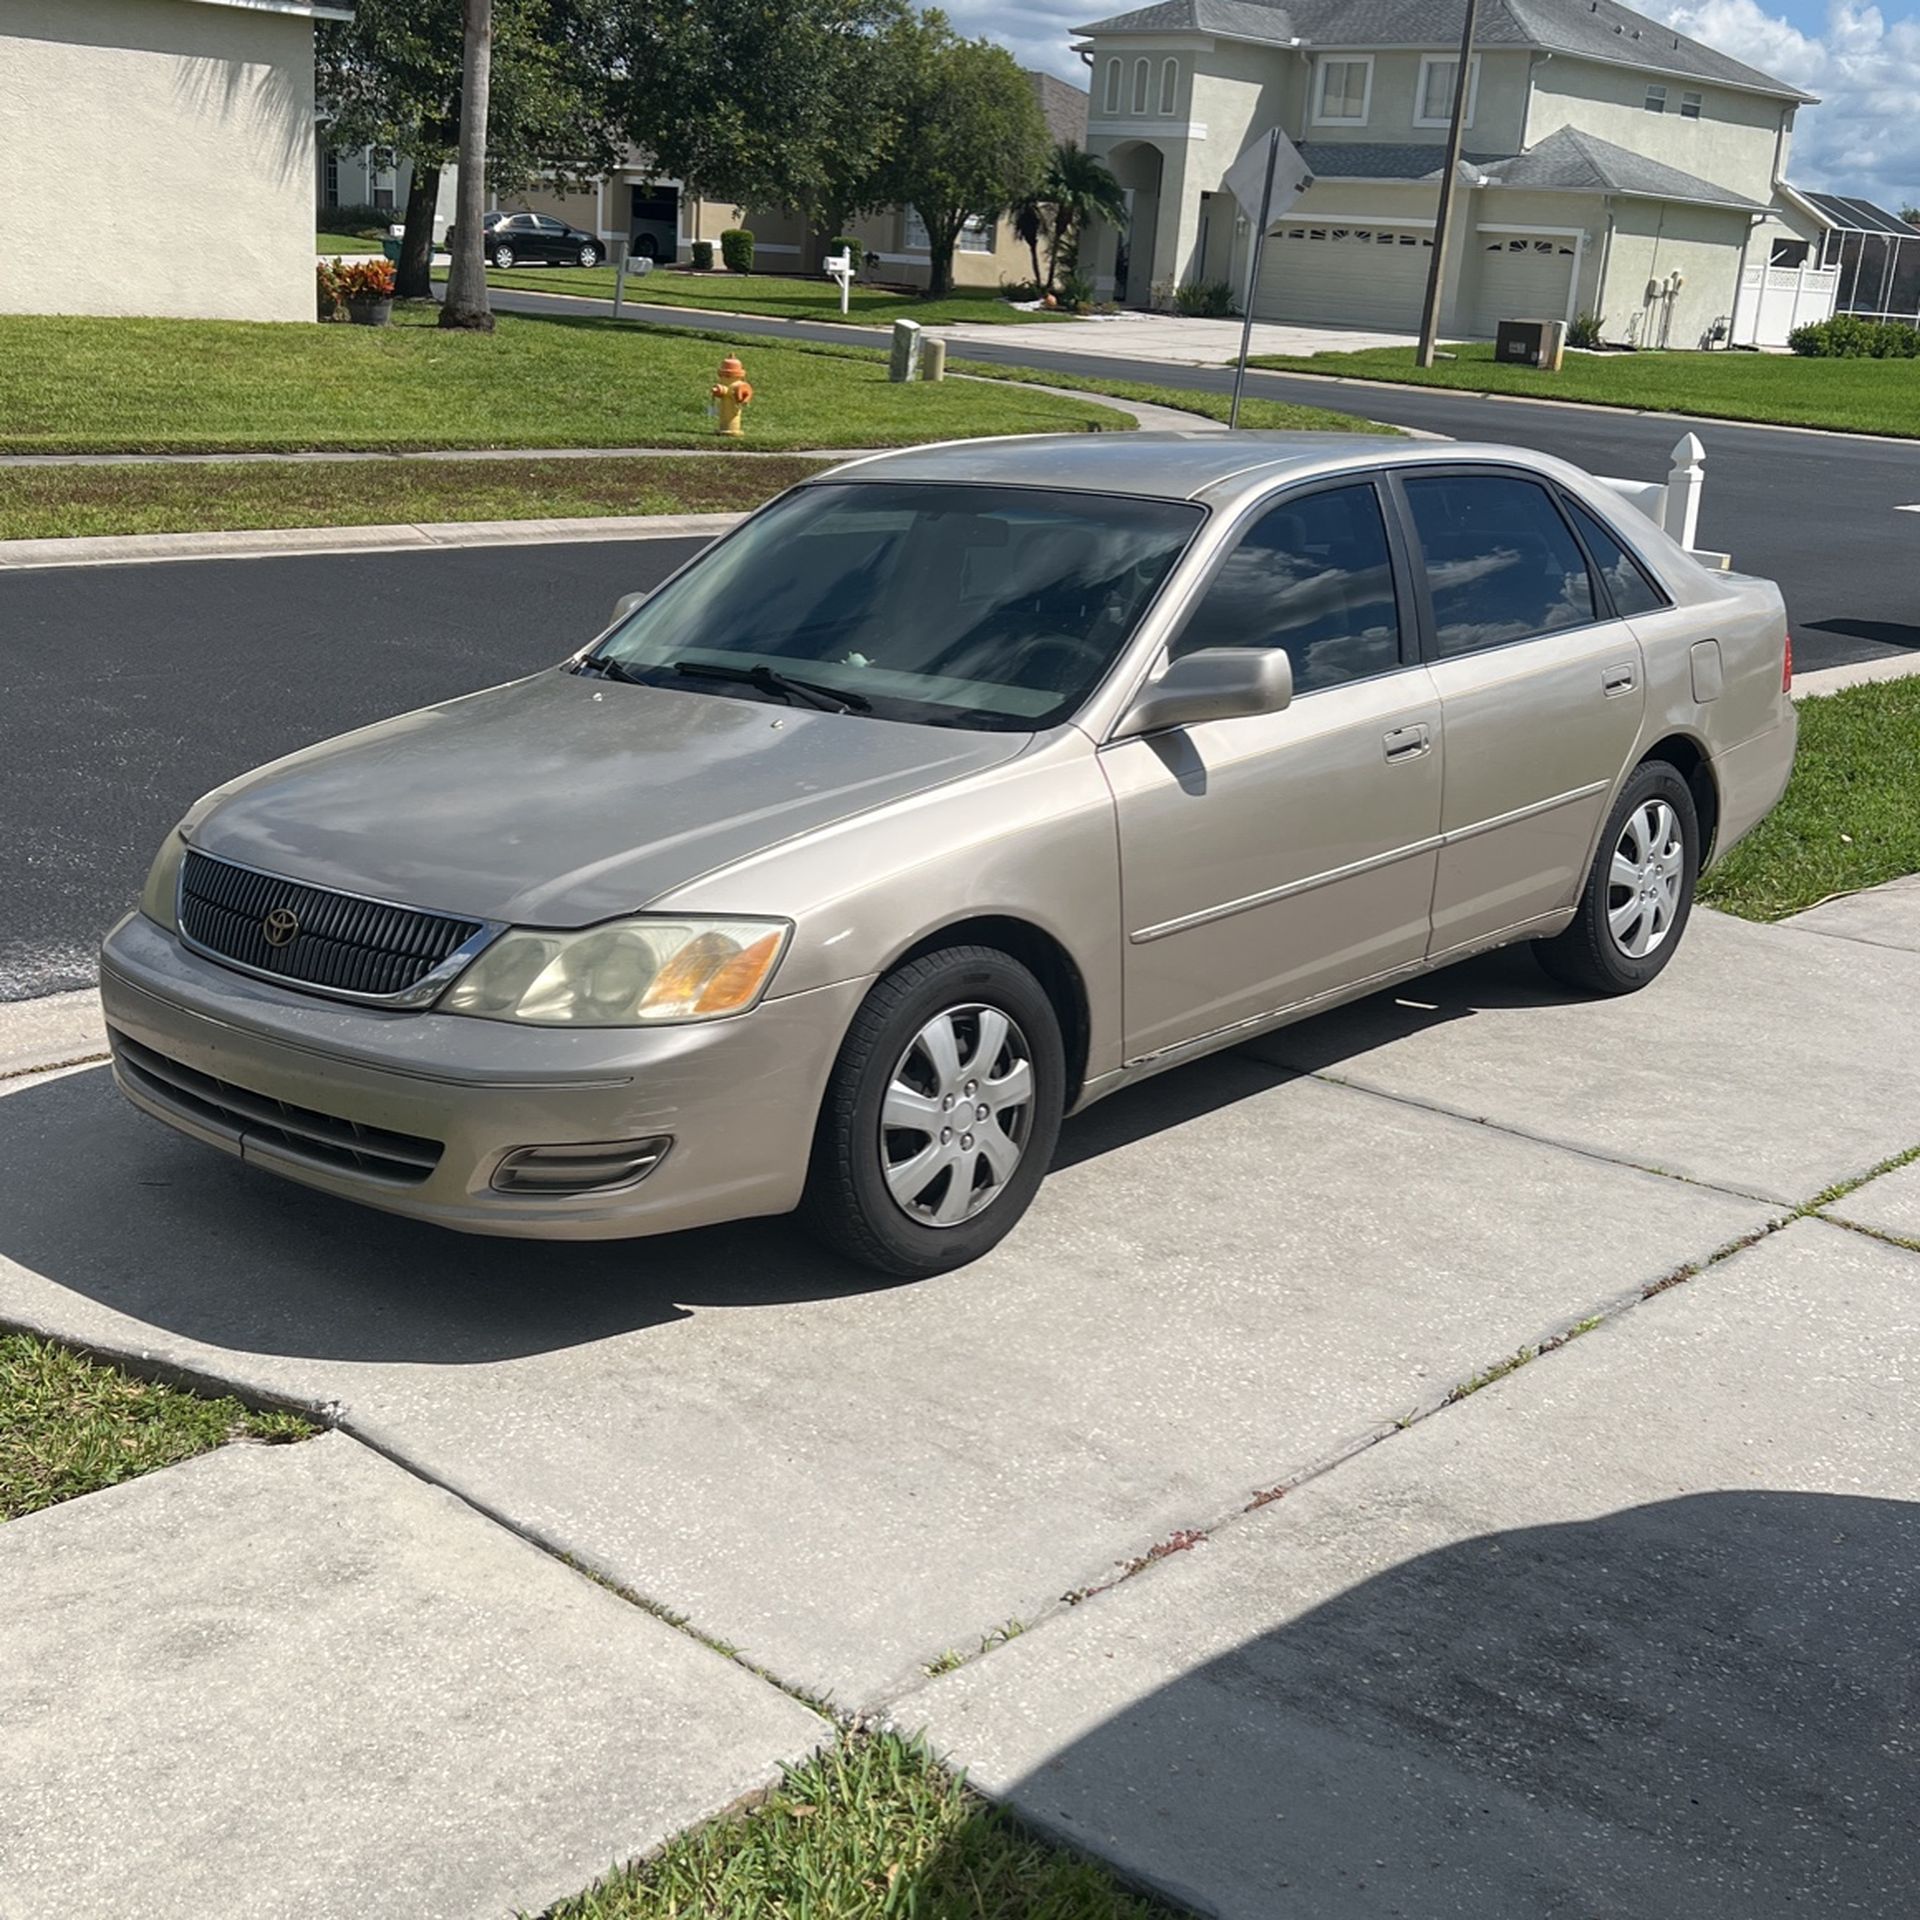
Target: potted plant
{"points": [[366, 286]]}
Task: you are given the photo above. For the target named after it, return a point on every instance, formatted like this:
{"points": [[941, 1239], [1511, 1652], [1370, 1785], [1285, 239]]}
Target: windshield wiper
{"points": [[605, 664], [809, 693]]}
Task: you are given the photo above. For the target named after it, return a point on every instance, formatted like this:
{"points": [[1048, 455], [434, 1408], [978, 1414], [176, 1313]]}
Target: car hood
{"points": [[565, 799]]}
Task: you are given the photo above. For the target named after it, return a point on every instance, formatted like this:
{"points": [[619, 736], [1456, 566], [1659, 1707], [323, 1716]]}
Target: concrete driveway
{"points": [[1230, 1345], [1172, 338]]}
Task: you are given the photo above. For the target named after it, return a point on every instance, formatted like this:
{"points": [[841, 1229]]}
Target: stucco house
{"points": [[663, 216], [179, 135], [1611, 165]]}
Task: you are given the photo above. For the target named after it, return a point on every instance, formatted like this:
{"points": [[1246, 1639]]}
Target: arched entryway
{"points": [[1120, 261]]}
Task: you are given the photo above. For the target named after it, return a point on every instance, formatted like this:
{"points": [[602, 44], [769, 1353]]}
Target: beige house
{"points": [[659, 217], [178, 137], [1612, 166]]}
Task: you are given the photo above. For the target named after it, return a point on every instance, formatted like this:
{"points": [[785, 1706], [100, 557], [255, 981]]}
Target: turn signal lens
{"points": [[628, 973], [160, 897]]}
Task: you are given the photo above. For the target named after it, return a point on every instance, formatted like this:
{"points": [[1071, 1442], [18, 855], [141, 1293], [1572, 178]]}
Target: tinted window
{"points": [[997, 607], [1627, 580], [1501, 563], [1314, 576]]}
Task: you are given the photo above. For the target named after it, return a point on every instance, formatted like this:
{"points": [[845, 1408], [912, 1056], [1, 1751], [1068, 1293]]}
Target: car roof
{"points": [[1214, 467]]}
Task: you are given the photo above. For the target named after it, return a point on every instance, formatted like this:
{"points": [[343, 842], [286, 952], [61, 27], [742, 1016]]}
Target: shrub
{"points": [[1585, 331], [736, 249], [1204, 300], [848, 244], [1076, 293], [1849, 337], [1021, 292], [327, 288], [368, 279], [356, 217], [702, 254]]}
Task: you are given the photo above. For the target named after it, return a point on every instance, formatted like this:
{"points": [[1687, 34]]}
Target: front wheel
{"points": [[503, 256], [1639, 894], [589, 256], [941, 1116]]}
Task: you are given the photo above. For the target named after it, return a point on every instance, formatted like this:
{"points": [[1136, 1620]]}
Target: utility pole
{"points": [[465, 305], [1449, 177]]}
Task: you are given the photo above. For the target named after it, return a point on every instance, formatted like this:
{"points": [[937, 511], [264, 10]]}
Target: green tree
{"points": [[391, 77], [973, 139], [794, 107], [1080, 190]]}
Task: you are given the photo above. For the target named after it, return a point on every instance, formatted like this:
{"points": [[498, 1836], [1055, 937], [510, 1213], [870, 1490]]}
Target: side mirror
{"points": [[626, 604], [1217, 683]]}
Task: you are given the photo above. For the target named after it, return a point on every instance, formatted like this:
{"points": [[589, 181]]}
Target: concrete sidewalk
{"points": [[1262, 1282]]}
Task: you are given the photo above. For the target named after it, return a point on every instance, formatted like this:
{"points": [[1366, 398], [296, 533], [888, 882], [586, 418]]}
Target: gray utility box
{"points": [[1531, 343]]}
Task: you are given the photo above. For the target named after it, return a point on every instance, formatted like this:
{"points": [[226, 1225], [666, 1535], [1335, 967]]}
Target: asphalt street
{"points": [[1816, 511], [132, 690]]}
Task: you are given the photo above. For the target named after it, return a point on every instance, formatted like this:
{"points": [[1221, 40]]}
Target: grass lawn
{"points": [[113, 385], [779, 296], [872, 1827], [69, 1425], [1852, 396], [332, 243], [1851, 814], [49, 503]]}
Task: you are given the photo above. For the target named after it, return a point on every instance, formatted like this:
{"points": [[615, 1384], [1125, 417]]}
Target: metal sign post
{"points": [[1253, 277], [1282, 178]]}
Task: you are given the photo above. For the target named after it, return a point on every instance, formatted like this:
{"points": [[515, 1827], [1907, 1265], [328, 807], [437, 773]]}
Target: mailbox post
{"points": [[840, 269]]}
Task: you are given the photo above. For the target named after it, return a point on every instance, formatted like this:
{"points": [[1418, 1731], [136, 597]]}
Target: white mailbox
{"points": [[840, 270]]}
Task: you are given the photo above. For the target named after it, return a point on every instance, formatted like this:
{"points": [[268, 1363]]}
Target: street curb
{"points": [[1861, 673], [57, 1030], [129, 549]]}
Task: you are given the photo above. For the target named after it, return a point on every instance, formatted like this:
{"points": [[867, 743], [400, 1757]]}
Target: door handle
{"points": [[1408, 743], [1617, 678]]}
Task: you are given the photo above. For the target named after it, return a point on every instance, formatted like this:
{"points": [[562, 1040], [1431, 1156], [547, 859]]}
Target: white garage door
{"points": [[1520, 277], [1345, 276]]}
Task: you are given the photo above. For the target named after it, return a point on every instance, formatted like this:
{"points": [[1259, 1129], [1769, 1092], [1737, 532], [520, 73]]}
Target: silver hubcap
{"points": [[955, 1120], [504, 258], [1643, 882]]}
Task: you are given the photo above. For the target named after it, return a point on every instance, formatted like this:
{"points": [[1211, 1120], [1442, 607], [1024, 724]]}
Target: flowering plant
{"points": [[368, 279]]}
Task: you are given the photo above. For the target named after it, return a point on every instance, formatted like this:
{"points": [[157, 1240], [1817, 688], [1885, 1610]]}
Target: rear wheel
{"points": [[1639, 895], [941, 1115]]}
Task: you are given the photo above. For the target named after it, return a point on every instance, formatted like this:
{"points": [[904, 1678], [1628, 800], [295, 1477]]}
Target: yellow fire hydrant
{"points": [[731, 394]]}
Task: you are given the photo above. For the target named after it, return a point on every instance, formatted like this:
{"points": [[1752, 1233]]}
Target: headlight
{"points": [[628, 973], [160, 897]]}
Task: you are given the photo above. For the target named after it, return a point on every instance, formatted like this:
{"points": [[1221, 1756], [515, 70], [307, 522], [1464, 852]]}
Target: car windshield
{"points": [[976, 606]]}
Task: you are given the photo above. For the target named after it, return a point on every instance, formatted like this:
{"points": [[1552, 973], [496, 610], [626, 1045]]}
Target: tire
{"points": [[589, 256], [1655, 817], [647, 247], [874, 1192], [503, 256]]}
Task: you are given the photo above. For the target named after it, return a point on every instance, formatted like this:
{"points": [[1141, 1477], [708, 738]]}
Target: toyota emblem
{"points": [[279, 927]]}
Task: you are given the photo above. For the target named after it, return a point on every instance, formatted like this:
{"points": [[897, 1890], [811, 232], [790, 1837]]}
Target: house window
{"points": [[913, 233], [1142, 81], [976, 236], [1169, 85], [1343, 93], [1656, 99], [333, 180], [1113, 86], [1689, 106], [1433, 102]]}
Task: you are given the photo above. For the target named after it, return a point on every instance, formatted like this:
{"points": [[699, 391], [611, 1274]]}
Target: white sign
{"points": [[1247, 178]]}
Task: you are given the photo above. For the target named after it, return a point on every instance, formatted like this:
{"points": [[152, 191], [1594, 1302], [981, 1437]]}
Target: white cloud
{"points": [[1864, 136]]}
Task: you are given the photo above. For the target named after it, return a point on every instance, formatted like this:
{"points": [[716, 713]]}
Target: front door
{"points": [[1270, 860], [1541, 697]]}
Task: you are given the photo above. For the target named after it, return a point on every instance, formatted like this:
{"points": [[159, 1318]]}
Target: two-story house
{"points": [[1611, 165]]}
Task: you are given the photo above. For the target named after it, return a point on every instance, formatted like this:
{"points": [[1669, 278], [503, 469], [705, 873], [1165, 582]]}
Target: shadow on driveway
{"points": [[1706, 1707]]}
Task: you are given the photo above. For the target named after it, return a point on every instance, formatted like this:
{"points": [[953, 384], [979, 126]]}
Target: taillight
{"points": [[1786, 667]]}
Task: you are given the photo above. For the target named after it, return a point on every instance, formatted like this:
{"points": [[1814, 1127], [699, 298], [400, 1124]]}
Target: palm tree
{"points": [[1032, 219], [1080, 189]]}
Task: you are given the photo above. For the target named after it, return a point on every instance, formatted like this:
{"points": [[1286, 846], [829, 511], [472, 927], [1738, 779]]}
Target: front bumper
{"points": [[739, 1098]]}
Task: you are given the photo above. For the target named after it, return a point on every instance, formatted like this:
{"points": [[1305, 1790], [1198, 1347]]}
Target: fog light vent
{"points": [[590, 1167]]}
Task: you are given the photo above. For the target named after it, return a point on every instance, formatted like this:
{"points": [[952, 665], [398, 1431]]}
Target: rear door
{"points": [[1273, 858], [1541, 694]]}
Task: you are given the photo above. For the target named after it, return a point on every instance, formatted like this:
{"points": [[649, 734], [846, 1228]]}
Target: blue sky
{"points": [[1863, 61]]}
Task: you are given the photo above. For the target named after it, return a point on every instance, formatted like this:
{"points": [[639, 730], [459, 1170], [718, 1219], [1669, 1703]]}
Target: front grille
{"points": [[322, 1138], [340, 942]]}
